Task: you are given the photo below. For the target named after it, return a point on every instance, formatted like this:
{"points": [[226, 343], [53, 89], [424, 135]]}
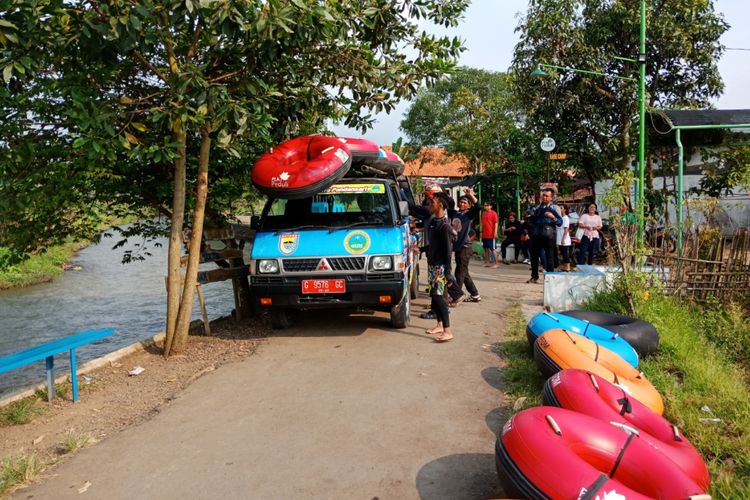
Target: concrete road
{"points": [[340, 406]]}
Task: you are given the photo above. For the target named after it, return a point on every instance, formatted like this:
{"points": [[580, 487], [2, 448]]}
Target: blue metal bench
{"points": [[48, 351]]}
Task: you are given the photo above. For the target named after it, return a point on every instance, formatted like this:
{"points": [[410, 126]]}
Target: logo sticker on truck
{"points": [[288, 243], [357, 242]]}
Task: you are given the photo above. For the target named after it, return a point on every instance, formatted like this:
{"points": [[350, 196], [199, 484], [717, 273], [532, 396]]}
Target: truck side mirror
{"points": [[403, 208], [255, 222]]}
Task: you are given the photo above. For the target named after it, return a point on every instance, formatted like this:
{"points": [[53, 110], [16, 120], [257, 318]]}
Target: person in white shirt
{"points": [[563, 239], [591, 223]]}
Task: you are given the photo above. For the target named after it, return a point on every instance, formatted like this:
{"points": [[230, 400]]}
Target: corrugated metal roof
{"points": [[678, 118]]}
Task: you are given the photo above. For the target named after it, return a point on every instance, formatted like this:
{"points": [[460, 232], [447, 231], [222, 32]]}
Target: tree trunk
{"points": [[175, 241], [626, 157], [650, 172], [191, 273], [592, 181]]}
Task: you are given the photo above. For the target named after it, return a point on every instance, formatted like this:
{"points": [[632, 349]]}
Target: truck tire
{"points": [[281, 318], [414, 285], [400, 313]]}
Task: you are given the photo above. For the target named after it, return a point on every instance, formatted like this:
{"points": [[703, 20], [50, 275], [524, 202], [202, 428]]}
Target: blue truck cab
{"points": [[347, 246]]}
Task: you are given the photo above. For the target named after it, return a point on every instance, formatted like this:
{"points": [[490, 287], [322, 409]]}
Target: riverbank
{"points": [[111, 400], [48, 265], [39, 268]]}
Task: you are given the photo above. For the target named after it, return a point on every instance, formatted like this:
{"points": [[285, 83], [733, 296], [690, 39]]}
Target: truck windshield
{"points": [[356, 203]]}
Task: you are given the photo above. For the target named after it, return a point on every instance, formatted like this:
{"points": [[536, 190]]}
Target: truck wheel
{"points": [[414, 285], [281, 318], [400, 313]]}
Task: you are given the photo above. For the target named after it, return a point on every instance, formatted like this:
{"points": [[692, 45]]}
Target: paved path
{"points": [[340, 406]]}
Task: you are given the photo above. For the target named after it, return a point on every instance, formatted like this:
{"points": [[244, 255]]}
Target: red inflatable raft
{"points": [[584, 392], [548, 452], [362, 150], [301, 167]]}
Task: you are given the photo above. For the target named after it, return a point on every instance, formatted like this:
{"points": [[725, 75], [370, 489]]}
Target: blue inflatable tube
{"points": [[605, 338]]}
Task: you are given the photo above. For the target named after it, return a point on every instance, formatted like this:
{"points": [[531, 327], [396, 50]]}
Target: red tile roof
{"points": [[435, 162]]}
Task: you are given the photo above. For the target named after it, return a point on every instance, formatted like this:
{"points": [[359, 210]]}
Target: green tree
{"points": [[472, 113], [596, 115], [138, 98]]}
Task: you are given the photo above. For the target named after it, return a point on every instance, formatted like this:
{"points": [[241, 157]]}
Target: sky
{"points": [[488, 34]]}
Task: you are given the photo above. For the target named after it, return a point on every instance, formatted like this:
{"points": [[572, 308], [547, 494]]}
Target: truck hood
{"points": [[315, 243]]}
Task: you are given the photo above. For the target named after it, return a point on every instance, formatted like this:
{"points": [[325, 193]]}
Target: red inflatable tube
{"points": [[584, 392], [548, 452], [362, 150], [301, 167]]}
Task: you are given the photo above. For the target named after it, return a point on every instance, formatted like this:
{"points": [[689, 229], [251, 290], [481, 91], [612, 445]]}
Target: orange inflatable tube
{"points": [[558, 349]]}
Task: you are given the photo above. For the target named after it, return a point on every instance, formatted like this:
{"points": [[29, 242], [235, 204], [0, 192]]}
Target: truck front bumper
{"points": [[361, 290]]}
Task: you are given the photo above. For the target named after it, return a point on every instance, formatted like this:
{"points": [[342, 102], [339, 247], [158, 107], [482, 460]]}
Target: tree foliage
{"points": [[729, 170], [472, 112], [127, 103], [594, 116]]}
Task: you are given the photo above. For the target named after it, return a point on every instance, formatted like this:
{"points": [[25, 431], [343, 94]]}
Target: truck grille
{"points": [[300, 265], [347, 263], [335, 264]]}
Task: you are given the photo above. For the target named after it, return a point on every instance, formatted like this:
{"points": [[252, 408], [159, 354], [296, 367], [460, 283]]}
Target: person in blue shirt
{"points": [[544, 223]]}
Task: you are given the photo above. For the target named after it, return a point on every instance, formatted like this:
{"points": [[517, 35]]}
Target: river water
{"points": [[99, 292]]}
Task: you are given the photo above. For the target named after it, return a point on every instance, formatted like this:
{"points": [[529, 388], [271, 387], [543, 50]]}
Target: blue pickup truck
{"points": [[347, 246]]}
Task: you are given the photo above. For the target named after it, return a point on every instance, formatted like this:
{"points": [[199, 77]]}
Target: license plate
{"points": [[323, 286]]}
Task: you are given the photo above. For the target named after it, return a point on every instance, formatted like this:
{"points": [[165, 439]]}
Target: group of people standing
{"points": [[544, 236], [448, 233], [549, 227]]}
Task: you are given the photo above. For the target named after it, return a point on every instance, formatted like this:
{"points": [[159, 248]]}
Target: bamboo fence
{"points": [[709, 265]]}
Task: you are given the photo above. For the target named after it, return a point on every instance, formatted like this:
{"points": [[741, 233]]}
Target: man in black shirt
{"points": [[513, 231], [467, 210], [438, 261]]}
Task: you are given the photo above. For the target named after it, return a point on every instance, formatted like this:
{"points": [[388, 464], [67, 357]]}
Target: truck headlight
{"points": [[268, 266], [381, 263]]}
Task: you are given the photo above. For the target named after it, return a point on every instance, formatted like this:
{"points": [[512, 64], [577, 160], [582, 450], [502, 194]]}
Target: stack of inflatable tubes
{"points": [[388, 163], [542, 322], [548, 452], [640, 334], [301, 167], [587, 393], [362, 150], [558, 349]]}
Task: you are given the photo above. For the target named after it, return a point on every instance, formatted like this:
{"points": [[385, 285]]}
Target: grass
{"points": [[697, 366], [17, 471], [62, 390], [38, 268], [20, 412], [521, 379], [47, 265], [73, 443], [690, 370]]}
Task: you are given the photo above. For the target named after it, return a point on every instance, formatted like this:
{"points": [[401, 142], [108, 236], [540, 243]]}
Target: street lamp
{"points": [[641, 60]]}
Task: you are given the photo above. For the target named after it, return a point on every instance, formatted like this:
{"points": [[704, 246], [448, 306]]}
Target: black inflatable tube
{"points": [[513, 481], [530, 337], [544, 362], [548, 395], [640, 334]]}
